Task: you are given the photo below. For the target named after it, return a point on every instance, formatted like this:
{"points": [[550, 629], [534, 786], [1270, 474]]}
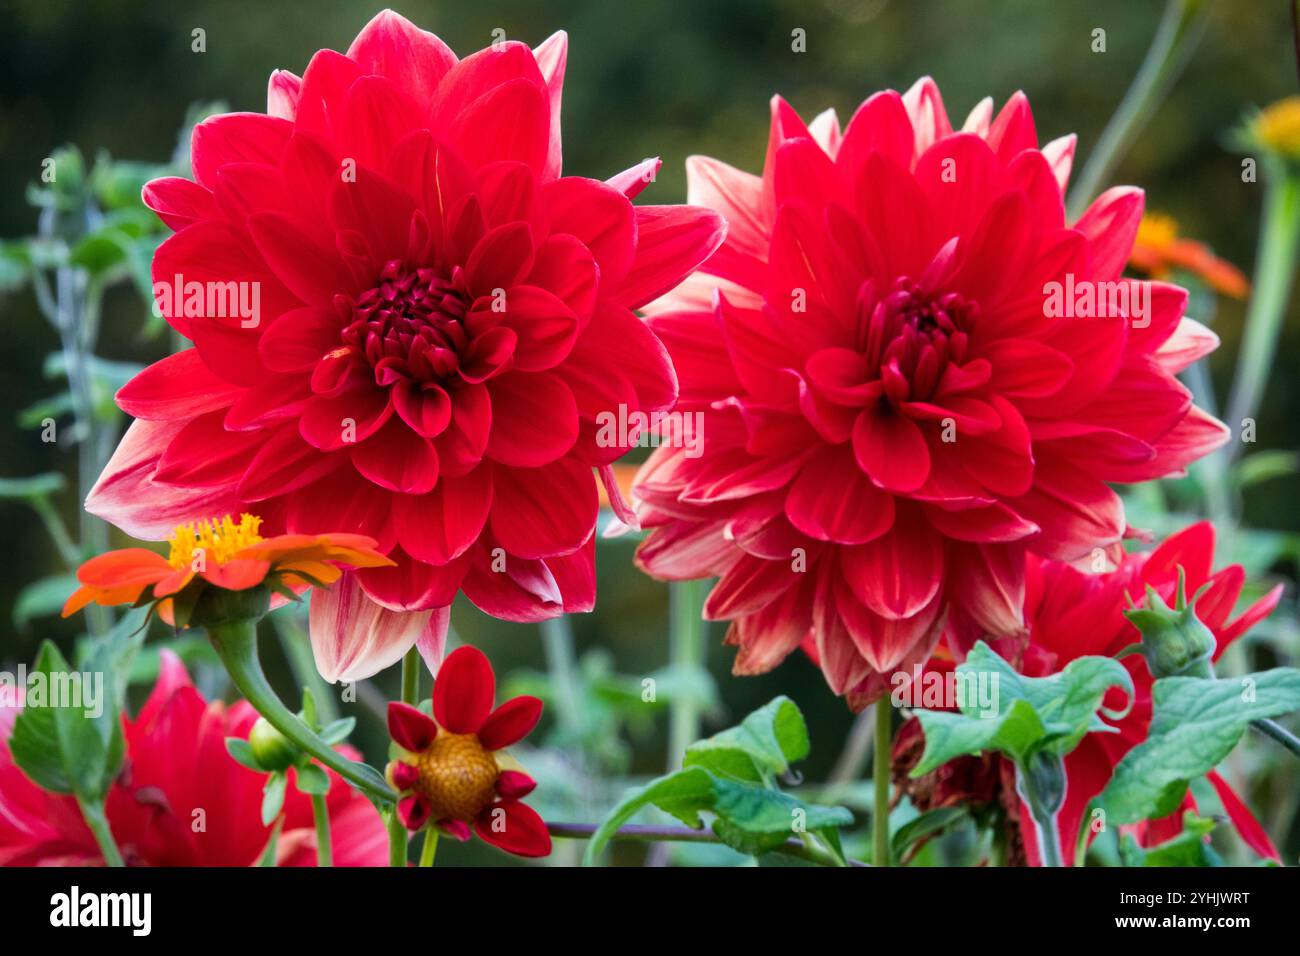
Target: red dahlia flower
{"points": [[181, 799], [451, 773], [894, 411], [1071, 614], [405, 325]]}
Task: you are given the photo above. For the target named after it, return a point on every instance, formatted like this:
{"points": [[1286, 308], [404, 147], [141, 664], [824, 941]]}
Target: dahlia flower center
{"points": [[218, 540], [411, 324], [911, 336], [457, 776]]}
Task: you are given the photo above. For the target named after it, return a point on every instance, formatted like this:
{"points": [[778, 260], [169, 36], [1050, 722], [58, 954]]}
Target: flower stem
{"points": [[668, 834], [1174, 41], [1040, 782], [324, 849], [881, 765], [399, 840], [1279, 238], [686, 653], [236, 644], [557, 642], [430, 847], [1270, 728], [93, 812]]}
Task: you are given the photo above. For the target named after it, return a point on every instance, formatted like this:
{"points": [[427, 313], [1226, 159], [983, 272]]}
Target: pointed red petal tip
{"points": [[463, 691], [413, 811], [514, 827], [412, 729], [403, 775], [513, 785], [510, 723], [457, 829]]}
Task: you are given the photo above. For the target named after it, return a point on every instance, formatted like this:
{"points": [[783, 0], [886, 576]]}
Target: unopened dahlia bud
{"points": [[273, 752], [1175, 642]]}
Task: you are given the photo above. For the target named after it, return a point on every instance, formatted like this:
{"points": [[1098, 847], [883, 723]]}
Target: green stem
{"points": [[236, 644], [686, 653], [557, 643], [430, 848], [1049, 839], [1040, 782], [324, 850], [98, 823], [881, 766], [1276, 731], [1174, 41], [667, 834], [399, 840], [1279, 234]]}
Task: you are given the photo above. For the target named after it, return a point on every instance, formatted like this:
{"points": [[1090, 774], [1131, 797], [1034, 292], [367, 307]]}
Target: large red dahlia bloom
{"points": [[898, 403], [405, 324], [181, 799]]}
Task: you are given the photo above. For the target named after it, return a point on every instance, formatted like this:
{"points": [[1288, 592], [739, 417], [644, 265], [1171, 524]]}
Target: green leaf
{"points": [[338, 731], [242, 751], [926, 825], [1028, 714], [683, 794], [1264, 466], [37, 486], [1195, 724], [763, 745], [752, 815], [273, 797], [313, 780], [68, 738], [1189, 848], [43, 598]]}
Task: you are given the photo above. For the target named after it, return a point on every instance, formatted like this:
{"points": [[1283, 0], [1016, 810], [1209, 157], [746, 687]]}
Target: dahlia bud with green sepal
{"points": [[1175, 642]]}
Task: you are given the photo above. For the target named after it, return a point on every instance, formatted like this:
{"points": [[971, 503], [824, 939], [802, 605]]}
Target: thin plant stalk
{"points": [[99, 828], [430, 848], [557, 643], [686, 653], [1179, 31], [881, 766], [399, 840], [670, 834], [1279, 240], [321, 814]]}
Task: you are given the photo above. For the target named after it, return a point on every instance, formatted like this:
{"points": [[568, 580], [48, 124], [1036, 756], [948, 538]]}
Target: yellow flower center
{"points": [[1279, 126], [457, 776], [1157, 230], [217, 541]]}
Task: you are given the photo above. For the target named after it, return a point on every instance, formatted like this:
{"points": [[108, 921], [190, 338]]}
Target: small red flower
{"points": [[452, 773]]}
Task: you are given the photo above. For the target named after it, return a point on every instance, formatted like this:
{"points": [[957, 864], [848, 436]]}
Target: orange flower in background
{"points": [[1158, 251], [223, 553]]}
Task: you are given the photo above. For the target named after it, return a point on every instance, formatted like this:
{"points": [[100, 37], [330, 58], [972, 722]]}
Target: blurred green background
{"points": [[666, 78]]}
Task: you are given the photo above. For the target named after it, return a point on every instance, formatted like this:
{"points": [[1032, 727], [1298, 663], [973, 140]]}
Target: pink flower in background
{"points": [[428, 321], [913, 372], [181, 799]]}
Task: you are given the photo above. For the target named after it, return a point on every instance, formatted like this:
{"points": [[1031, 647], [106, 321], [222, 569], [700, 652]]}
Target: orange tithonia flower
{"points": [[450, 770], [1158, 250], [224, 554]]}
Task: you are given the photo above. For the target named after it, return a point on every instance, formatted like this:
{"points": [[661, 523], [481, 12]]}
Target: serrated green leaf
{"points": [[1029, 713], [763, 745], [756, 809], [1195, 724], [1189, 848], [74, 747], [273, 797], [684, 794]]}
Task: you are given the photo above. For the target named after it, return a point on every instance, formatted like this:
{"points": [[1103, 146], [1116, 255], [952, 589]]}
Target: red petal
{"points": [[509, 724], [513, 785], [671, 241], [463, 691], [891, 448], [514, 827], [539, 512], [441, 525], [179, 386], [534, 419], [1247, 825], [832, 500], [413, 811], [410, 727], [398, 459]]}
